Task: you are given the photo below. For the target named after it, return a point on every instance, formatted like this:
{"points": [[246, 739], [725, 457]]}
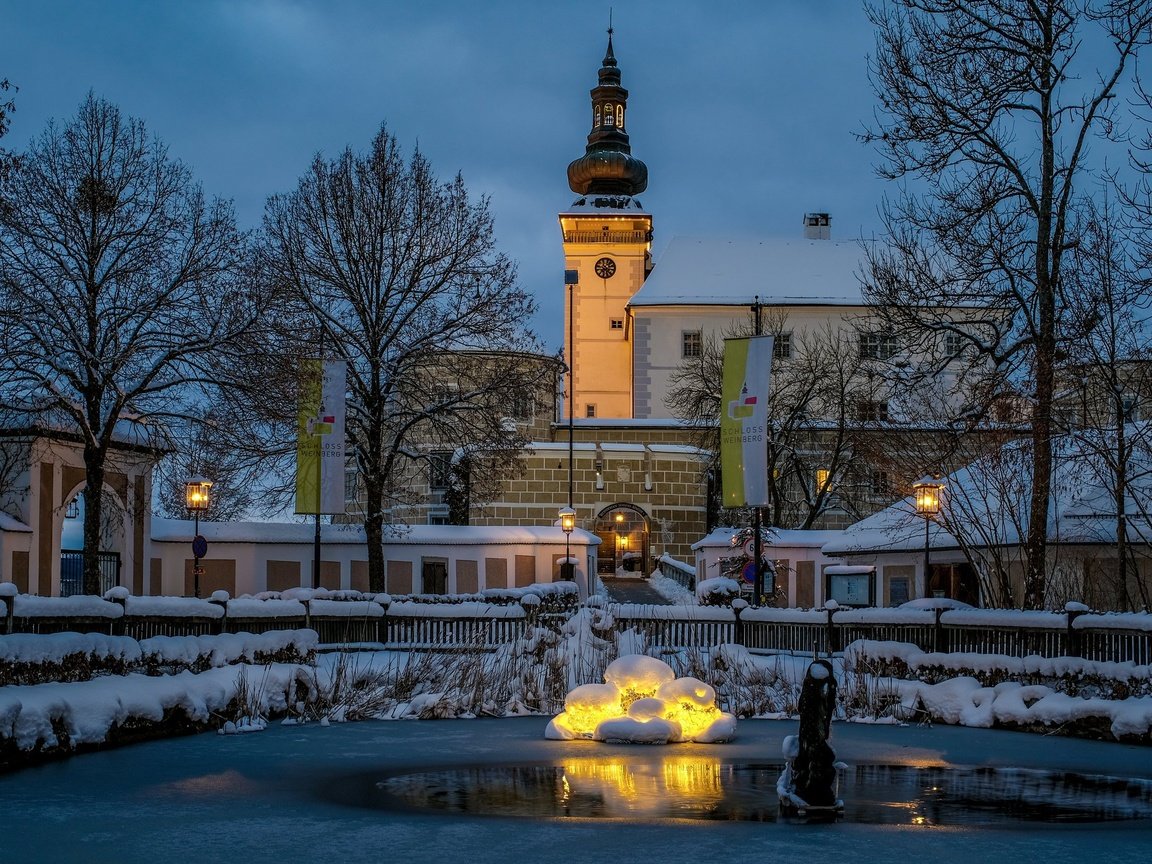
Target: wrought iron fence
{"points": [[72, 571]]}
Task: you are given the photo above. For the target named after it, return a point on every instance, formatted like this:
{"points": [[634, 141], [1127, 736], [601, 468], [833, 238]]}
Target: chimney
{"points": [[817, 226]]}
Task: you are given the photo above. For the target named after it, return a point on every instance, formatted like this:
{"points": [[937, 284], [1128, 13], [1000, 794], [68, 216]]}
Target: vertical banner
{"points": [[320, 437], [744, 421]]}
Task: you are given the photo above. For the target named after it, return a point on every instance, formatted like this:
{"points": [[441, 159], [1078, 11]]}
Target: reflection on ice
{"points": [[704, 787]]}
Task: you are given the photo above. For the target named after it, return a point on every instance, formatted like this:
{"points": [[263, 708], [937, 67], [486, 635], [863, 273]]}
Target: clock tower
{"points": [[607, 247]]}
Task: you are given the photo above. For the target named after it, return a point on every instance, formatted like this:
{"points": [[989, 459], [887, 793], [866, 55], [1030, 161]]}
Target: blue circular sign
{"points": [[199, 546], [749, 572]]}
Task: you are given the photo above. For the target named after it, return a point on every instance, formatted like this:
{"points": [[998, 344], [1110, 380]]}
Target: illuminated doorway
{"points": [[624, 531]]}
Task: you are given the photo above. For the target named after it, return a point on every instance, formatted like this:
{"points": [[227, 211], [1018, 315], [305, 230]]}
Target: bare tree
{"points": [[200, 448], [7, 106], [990, 105], [120, 285], [1109, 379], [811, 414], [398, 274]]}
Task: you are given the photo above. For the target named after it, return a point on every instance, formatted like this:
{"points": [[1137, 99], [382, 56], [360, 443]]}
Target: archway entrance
{"points": [[624, 532], [72, 544]]}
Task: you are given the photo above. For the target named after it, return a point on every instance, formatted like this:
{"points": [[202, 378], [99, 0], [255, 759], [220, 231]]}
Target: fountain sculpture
{"points": [[808, 785]]}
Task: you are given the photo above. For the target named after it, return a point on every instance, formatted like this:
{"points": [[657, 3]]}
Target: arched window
{"points": [[596, 117], [609, 115], [620, 116]]}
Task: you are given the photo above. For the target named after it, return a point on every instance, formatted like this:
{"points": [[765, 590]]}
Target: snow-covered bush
{"points": [[718, 591]]}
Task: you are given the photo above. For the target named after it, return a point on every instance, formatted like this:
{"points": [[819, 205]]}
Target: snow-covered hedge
{"points": [[1073, 676], [29, 658]]}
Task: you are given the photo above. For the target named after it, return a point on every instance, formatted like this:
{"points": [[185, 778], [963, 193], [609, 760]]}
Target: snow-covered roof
{"points": [[778, 537], [697, 271], [988, 501], [614, 205], [180, 530], [11, 523], [625, 423]]}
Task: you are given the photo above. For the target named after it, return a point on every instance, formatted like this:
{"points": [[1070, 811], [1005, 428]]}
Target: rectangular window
{"points": [[443, 393], [692, 343], [1129, 409], [881, 484], [872, 411], [616, 324], [953, 344], [877, 346], [782, 346], [438, 516], [822, 479], [589, 410], [521, 406], [439, 468]]}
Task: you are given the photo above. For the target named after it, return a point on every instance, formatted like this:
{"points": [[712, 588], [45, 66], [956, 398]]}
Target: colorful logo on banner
{"points": [[320, 459], [744, 421]]}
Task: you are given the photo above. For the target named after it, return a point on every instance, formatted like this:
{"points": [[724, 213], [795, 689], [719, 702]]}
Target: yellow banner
{"points": [[744, 421], [320, 461]]}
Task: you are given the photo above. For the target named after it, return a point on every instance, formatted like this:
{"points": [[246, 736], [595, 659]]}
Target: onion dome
{"points": [[607, 166]]}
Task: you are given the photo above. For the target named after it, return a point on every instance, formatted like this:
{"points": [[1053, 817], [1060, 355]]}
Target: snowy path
{"points": [[267, 798], [633, 591]]}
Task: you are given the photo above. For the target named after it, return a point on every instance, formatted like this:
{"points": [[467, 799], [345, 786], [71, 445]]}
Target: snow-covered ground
{"points": [[272, 797]]}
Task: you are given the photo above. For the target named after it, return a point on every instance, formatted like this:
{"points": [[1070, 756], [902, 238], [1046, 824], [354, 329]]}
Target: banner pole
{"points": [[319, 480], [758, 583]]}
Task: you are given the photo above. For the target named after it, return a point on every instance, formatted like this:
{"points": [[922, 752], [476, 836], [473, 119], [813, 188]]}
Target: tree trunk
{"points": [[93, 516], [374, 533], [1046, 271]]}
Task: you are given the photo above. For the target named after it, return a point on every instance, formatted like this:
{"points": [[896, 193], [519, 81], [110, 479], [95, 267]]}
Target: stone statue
{"points": [[809, 780]]}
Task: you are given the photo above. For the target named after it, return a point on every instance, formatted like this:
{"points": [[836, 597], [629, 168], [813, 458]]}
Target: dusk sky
{"points": [[743, 111]]}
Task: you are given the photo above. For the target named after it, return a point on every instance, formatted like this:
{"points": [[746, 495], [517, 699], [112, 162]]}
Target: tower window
{"points": [[596, 116], [620, 116], [609, 115], [692, 343], [616, 324], [589, 410]]}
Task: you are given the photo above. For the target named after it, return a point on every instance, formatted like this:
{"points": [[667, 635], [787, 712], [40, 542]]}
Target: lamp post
{"points": [[926, 492], [567, 522], [197, 497]]}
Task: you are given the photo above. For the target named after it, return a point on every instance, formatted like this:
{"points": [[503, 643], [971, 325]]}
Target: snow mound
{"points": [[642, 702]]}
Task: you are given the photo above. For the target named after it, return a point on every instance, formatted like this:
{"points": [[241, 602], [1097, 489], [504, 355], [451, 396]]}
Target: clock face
{"points": [[605, 268]]}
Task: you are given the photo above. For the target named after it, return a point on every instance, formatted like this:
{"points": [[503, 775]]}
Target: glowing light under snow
{"points": [[643, 702]]}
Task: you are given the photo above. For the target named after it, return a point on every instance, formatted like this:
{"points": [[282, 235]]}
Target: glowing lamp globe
{"points": [[197, 494]]}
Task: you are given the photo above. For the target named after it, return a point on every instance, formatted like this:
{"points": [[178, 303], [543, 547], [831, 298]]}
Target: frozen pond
{"points": [[293, 794], [670, 786]]}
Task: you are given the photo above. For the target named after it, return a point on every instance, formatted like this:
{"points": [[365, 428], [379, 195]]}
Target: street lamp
{"points": [[197, 497], [926, 492], [567, 522]]}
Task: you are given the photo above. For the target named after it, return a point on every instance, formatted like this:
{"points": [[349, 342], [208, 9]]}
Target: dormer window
{"points": [[609, 115]]}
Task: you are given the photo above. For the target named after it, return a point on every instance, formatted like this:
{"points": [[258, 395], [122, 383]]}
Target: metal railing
{"points": [[72, 571], [1113, 638]]}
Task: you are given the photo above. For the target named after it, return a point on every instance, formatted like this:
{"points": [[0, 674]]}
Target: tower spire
{"points": [[607, 166]]}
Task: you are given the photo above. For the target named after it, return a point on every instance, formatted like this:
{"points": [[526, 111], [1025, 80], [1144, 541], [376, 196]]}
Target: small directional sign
{"points": [[199, 546]]}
